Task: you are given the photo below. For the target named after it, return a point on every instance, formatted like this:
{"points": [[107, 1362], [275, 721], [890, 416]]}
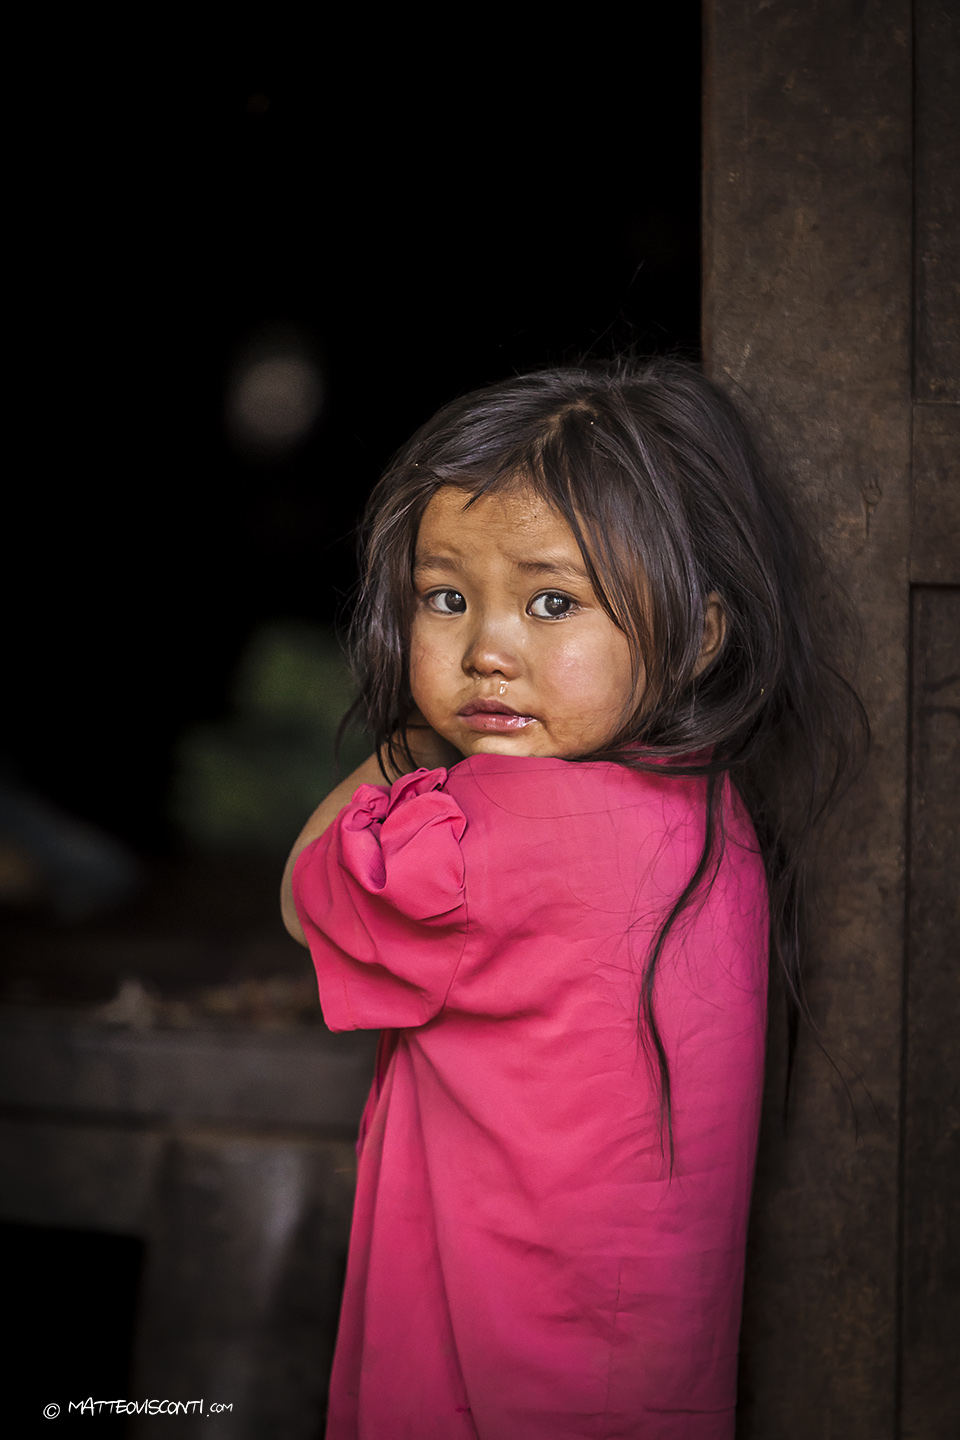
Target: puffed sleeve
{"points": [[380, 896]]}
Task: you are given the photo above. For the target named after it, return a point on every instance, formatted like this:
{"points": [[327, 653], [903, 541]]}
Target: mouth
{"points": [[492, 715]]}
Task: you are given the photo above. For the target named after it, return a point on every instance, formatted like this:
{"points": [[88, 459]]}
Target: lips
{"points": [[493, 715], [487, 707]]}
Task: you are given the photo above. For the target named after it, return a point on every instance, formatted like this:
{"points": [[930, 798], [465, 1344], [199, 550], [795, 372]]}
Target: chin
{"points": [[496, 745], [507, 745]]}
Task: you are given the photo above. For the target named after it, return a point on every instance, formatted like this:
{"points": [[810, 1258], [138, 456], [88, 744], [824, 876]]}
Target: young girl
{"points": [[584, 650]]}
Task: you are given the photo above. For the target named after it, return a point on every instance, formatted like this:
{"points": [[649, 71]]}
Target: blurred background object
{"points": [[274, 396], [52, 861], [240, 782]]}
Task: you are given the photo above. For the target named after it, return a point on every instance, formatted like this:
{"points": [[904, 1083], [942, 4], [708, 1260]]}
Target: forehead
{"points": [[512, 520]]}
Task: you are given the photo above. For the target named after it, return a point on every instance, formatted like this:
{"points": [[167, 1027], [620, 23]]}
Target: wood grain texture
{"points": [[808, 259], [242, 1289], [937, 258], [931, 1221], [935, 543]]}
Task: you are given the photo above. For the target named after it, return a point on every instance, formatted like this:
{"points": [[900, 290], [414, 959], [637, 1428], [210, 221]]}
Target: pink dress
{"points": [[523, 1265]]}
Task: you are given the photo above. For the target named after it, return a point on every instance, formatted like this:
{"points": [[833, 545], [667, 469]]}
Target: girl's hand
{"points": [[428, 750]]}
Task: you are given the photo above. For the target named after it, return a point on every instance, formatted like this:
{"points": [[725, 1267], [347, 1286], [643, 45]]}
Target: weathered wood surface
{"points": [[931, 1216], [808, 264], [935, 547], [231, 1153], [937, 257], [306, 1077], [244, 1271]]}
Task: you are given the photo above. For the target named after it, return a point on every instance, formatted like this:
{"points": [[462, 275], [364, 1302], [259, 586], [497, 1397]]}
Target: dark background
{"points": [[423, 221]]}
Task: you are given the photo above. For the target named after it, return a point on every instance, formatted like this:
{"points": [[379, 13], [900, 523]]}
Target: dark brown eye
{"points": [[448, 602], [552, 605]]}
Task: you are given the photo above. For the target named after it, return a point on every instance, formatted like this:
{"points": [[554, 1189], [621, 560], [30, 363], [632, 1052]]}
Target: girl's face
{"points": [[511, 652]]}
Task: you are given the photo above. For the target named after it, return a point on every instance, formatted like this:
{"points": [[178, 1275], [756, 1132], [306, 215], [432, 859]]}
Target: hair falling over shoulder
{"points": [[655, 470]]}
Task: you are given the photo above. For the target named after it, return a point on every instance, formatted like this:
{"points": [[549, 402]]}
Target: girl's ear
{"points": [[714, 629]]}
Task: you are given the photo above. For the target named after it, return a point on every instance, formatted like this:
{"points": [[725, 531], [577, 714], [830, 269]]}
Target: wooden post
{"points": [[817, 182]]}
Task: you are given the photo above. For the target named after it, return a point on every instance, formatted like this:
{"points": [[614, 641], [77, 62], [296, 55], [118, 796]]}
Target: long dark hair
{"points": [[655, 471]]}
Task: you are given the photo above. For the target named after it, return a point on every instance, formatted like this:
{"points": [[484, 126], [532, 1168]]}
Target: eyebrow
{"points": [[553, 566], [549, 565], [434, 562]]}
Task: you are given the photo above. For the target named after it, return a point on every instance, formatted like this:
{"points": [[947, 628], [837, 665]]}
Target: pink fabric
{"points": [[523, 1266]]}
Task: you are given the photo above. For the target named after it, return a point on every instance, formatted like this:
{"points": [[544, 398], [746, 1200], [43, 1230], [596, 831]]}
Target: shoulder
{"points": [[506, 803], [575, 814], [587, 808], [546, 788]]}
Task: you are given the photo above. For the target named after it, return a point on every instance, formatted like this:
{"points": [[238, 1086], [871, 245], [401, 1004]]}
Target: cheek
{"points": [[568, 670], [427, 663], [592, 673], [418, 663]]}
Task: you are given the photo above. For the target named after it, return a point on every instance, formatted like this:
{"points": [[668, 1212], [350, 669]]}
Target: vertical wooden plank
{"points": [[935, 543], [930, 1393], [937, 358], [244, 1274], [931, 1281], [808, 129]]}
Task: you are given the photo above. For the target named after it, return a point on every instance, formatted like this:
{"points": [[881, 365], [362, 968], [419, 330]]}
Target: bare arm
{"points": [[427, 748]]}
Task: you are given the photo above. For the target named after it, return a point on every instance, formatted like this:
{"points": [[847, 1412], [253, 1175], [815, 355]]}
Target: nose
{"points": [[492, 651]]}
